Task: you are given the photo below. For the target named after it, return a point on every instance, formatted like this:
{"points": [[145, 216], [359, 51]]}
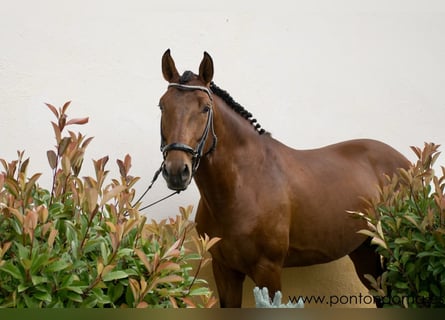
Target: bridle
{"points": [[198, 152]]}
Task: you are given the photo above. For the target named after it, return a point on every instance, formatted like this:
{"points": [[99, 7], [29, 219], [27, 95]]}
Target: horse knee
{"points": [[269, 276]]}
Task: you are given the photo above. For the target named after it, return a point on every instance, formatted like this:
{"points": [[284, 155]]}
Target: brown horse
{"points": [[273, 206]]}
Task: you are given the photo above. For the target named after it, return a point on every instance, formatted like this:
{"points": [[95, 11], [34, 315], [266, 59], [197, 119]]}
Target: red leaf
{"points": [[53, 109], [86, 142], [121, 166], [63, 145], [65, 106], [52, 158], [57, 131], [124, 166], [78, 121], [2, 180]]}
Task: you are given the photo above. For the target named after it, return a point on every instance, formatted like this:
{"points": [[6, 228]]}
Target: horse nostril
{"points": [[185, 173], [164, 171]]}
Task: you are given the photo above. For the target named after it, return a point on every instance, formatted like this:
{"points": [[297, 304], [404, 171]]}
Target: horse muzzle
{"points": [[177, 174]]}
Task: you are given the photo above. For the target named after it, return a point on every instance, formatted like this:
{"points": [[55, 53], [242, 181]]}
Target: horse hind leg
{"points": [[229, 284], [367, 261]]}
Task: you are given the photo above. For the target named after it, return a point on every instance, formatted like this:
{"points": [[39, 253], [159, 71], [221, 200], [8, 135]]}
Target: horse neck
{"points": [[237, 141]]}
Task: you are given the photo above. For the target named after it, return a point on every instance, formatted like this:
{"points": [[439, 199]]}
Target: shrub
{"points": [[407, 222], [85, 244]]}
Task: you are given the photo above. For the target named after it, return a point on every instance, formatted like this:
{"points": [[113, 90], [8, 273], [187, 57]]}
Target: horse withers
{"points": [[272, 206]]}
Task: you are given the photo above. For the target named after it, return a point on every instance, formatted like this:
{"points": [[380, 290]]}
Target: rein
{"points": [[196, 153], [155, 177]]}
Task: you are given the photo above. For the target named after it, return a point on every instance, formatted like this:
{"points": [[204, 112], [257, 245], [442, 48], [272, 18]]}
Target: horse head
{"points": [[186, 121]]}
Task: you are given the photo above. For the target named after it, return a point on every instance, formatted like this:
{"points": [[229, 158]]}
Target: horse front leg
{"points": [[268, 274], [229, 283]]}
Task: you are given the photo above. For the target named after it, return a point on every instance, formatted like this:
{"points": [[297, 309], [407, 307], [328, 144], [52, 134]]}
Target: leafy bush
{"points": [[407, 222], [84, 244]]}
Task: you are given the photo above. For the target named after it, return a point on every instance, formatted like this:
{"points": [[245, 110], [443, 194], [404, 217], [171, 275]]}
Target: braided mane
{"points": [[227, 98], [236, 107]]}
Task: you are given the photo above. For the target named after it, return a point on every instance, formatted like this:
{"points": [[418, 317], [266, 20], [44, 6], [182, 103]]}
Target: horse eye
{"points": [[160, 107], [206, 109]]}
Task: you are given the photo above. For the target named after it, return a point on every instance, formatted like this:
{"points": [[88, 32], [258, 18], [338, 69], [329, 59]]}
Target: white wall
{"points": [[312, 74]]}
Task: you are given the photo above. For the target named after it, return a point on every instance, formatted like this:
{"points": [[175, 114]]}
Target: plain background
{"points": [[311, 72]]}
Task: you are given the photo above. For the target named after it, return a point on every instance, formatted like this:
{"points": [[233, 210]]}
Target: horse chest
{"points": [[244, 240]]}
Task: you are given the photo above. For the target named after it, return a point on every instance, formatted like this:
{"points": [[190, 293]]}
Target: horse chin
{"points": [[176, 187]]}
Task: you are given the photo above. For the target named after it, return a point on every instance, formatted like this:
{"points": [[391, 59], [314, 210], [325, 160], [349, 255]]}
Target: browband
{"points": [[189, 87]]}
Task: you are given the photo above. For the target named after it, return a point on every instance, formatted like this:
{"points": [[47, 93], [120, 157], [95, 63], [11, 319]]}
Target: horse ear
{"points": [[169, 70], [206, 69]]}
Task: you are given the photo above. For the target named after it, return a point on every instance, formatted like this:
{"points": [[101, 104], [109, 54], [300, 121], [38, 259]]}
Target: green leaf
{"points": [[30, 302], [438, 270], [67, 280], [417, 282], [71, 232], [36, 280], [131, 272], [201, 291], [410, 268], [125, 252], [424, 294], [104, 252], [76, 297], [23, 251], [38, 261], [429, 245], [406, 257], [115, 275], [401, 285], [115, 291], [435, 289], [412, 220], [401, 241], [58, 265], [92, 244], [43, 296], [100, 296], [14, 271], [89, 302], [430, 254], [76, 289], [419, 237], [26, 263], [22, 287]]}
